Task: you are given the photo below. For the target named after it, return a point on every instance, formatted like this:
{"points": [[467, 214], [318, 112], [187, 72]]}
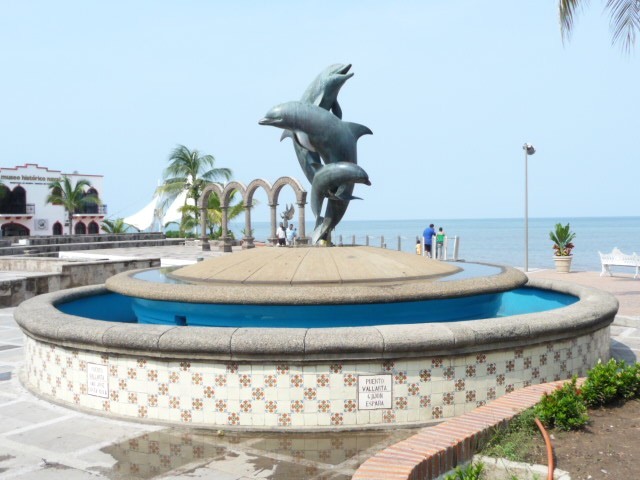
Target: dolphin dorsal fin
{"points": [[358, 130], [337, 111]]}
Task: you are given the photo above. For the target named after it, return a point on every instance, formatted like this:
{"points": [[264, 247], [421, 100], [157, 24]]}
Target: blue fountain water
{"points": [[119, 308]]}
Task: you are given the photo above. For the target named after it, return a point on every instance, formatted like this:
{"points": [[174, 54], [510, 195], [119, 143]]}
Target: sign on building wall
{"points": [[29, 179], [374, 392], [97, 380]]}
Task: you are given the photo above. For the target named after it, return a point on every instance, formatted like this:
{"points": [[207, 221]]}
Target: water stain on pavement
{"points": [[199, 454]]}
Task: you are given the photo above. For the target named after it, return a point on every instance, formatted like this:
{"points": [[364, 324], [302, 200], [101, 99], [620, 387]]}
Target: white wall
{"points": [[35, 180]]}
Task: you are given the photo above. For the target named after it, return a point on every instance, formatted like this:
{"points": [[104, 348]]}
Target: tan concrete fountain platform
{"points": [[294, 266], [314, 276]]}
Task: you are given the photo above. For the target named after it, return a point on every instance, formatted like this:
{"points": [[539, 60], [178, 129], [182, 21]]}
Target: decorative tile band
{"points": [[301, 396]]}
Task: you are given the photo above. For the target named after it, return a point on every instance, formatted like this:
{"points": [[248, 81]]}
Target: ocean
{"points": [[499, 241]]}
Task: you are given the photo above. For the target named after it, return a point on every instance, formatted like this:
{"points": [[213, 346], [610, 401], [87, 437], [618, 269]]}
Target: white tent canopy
{"points": [[145, 219], [173, 213], [155, 215]]}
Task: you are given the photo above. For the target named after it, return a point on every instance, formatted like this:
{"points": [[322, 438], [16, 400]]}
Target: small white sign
{"points": [[97, 380], [374, 392]]}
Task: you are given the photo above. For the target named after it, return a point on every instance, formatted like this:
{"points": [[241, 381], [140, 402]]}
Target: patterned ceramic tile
{"points": [[302, 395]]}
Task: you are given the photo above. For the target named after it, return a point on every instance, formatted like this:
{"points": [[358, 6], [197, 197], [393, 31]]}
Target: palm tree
{"points": [[71, 197], [115, 226], [214, 212], [625, 19], [190, 171]]}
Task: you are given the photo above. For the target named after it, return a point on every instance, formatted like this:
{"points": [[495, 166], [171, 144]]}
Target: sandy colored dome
{"points": [[314, 276], [298, 266]]}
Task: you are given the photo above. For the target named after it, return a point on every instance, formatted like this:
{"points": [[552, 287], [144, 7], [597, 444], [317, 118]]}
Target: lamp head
{"points": [[529, 148]]}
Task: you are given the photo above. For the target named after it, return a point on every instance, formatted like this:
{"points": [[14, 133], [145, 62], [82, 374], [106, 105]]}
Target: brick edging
{"points": [[438, 449]]}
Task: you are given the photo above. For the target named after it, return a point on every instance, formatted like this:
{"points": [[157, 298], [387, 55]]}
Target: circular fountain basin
{"points": [[309, 377], [119, 308]]}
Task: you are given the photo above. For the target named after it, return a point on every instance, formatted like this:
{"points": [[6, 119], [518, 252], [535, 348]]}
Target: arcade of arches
{"points": [[80, 228], [13, 201], [247, 192]]}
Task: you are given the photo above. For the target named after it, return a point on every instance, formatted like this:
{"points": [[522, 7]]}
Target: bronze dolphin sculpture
{"points": [[322, 92], [318, 130]]}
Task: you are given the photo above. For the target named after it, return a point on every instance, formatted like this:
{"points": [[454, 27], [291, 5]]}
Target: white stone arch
{"points": [[301, 200], [252, 188], [203, 202], [247, 192]]}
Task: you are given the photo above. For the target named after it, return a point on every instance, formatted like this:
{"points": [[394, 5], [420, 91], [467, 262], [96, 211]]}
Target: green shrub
{"points": [[564, 408], [607, 382], [473, 471]]}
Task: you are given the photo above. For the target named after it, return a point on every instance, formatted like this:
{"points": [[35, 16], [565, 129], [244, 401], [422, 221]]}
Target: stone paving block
{"points": [[22, 414], [13, 460], [12, 355], [56, 473], [73, 434], [11, 337]]}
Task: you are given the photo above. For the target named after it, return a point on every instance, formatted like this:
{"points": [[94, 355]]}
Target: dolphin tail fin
{"points": [[286, 134], [358, 130]]}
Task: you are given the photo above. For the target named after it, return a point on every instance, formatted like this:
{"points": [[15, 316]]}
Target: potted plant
{"points": [[562, 237]]}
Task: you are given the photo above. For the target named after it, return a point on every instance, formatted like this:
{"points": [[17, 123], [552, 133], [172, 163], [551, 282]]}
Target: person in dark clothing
{"points": [[428, 234]]}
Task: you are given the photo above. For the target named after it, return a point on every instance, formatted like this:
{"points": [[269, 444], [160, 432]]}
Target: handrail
{"points": [[547, 441]]}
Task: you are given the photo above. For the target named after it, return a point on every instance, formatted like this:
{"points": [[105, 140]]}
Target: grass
{"points": [[517, 442]]}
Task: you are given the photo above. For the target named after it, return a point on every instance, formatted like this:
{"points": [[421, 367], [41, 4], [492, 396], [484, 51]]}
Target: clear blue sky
{"points": [[451, 90]]}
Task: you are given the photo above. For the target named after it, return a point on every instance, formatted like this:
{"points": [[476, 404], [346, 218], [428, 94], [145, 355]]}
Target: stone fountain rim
{"points": [[40, 319]]}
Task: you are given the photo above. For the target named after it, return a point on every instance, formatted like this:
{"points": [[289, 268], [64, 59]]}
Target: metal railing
{"points": [[90, 209], [439, 252], [24, 209]]}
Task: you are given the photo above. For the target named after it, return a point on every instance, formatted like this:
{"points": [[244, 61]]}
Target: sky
{"points": [[450, 89]]}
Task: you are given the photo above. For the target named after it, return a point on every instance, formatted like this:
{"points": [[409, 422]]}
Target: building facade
{"points": [[23, 207]]}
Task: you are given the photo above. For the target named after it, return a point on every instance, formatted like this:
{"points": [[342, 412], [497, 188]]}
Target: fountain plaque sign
{"points": [[374, 392], [97, 380]]}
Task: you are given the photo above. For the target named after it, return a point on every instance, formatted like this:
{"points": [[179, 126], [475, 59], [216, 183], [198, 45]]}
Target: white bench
{"points": [[618, 259]]}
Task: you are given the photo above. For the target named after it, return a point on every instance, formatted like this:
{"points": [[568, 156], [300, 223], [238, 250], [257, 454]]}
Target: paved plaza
{"points": [[40, 440]]}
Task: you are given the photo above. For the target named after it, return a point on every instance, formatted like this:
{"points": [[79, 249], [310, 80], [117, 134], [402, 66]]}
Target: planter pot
{"points": [[563, 264]]}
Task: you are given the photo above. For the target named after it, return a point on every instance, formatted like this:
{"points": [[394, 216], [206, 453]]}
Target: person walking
{"points": [[428, 234]]}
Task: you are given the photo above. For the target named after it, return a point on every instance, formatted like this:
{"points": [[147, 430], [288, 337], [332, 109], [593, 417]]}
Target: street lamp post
{"points": [[528, 150]]}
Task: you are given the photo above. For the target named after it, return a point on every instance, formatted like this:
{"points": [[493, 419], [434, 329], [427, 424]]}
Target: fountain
{"points": [[310, 338]]}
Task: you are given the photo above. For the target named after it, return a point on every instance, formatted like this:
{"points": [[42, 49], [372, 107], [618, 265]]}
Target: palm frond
{"points": [[567, 10], [217, 173], [625, 22]]}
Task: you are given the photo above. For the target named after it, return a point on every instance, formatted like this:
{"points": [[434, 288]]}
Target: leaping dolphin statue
{"points": [[322, 92], [318, 130], [324, 89], [331, 181]]}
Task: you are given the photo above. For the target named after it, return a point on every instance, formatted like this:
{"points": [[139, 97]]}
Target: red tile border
{"points": [[438, 449]]}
